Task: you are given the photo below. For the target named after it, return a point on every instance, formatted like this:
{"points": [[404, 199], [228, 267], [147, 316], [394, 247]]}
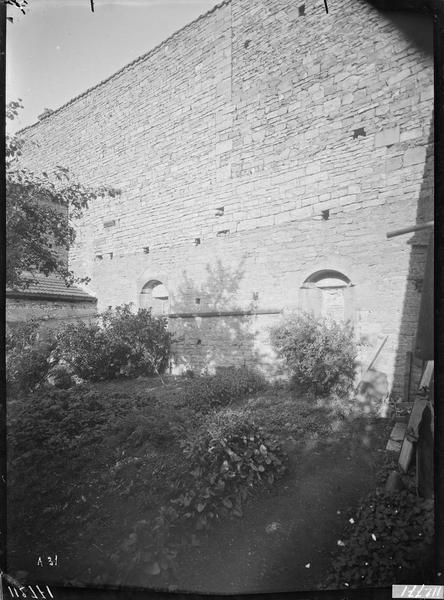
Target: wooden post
{"points": [[424, 456], [411, 229], [407, 376]]}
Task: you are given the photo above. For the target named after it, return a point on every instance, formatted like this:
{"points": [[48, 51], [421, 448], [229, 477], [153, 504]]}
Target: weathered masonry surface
{"points": [[259, 151], [51, 301]]}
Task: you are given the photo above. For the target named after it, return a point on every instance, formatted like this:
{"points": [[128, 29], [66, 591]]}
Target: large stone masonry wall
{"points": [[274, 116]]}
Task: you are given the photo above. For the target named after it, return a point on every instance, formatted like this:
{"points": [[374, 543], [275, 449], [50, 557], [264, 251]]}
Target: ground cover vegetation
{"points": [[151, 466], [86, 454], [389, 539]]}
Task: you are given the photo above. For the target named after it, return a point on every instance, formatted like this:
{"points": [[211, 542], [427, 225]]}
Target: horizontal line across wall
{"points": [[23, 295], [225, 313]]}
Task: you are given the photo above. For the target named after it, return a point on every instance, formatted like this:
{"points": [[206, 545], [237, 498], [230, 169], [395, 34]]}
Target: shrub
{"points": [[227, 386], [320, 354], [389, 541], [226, 457], [27, 356], [119, 344]]}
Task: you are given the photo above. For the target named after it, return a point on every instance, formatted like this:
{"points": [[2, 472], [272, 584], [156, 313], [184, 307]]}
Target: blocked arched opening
{"points": [[328, 293], [155, 295]]}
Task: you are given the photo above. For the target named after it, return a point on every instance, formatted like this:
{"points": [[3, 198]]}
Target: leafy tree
{"points": [[40, 210]]}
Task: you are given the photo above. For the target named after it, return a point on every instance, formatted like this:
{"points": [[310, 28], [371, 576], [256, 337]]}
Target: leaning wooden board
{"points": [[412, 432]]}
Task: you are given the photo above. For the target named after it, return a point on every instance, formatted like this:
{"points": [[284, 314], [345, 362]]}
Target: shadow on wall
{"points": [[234, 339], [419, 244]]}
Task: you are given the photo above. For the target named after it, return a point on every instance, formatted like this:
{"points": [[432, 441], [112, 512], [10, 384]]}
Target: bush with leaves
{"points": [[320, 354], [227, 457], [223, 388], [389, 541], [28, 355], [120, 343]]}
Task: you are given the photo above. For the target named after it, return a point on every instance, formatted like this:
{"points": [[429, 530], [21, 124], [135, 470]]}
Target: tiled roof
{"points": [[51, 287]]}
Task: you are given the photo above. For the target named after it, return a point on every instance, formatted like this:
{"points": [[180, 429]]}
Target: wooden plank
{"points": [[412, 432], [372, 362], [411, 229], [425, 331], [407, 376], [381, 346], [406, 454], [225, 313], [427, 375], [424, 456]]}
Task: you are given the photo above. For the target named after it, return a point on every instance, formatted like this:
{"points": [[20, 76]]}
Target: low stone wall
{"points": [[51, 313]]}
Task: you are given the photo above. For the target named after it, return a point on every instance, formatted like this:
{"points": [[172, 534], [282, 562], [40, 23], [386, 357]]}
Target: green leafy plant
{"points": [[28, 355], [223, 388], [387, 542], [120, 343], [319, 354], [227, 457]]}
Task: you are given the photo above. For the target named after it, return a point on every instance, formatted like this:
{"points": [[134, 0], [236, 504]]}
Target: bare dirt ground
{"points": [[304, 517]]}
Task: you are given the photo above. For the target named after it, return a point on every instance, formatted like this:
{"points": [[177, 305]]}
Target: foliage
{"points": [[61, 377], [226, 458], [49, 201], [27, 355], [223, 388], [279, 413], [65, 444], [320, 354], [119, 344], [386, 542], [81, 450]]}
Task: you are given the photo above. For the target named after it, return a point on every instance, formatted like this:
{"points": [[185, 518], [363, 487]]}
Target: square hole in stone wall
{"points": [[360, 132]]}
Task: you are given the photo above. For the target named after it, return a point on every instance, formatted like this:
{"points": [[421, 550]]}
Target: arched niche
{"points": [[154, 295], [328, 293]]}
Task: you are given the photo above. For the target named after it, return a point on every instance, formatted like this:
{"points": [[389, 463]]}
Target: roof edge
{"points": [[18, 295], [127, 66]]}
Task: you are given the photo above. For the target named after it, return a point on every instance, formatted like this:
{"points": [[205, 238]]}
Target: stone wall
{"points": [[50, 313], [255, 147]]}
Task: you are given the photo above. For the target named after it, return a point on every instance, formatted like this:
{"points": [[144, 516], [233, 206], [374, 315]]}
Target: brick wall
{"points": [[274, 116]]}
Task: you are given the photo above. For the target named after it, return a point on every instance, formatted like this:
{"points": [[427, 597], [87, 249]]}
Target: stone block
{"points": [[387, 137], [415, 156], [224, 146]]}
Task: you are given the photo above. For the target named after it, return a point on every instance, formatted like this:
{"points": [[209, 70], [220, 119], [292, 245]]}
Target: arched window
{"points": [[328, 293], [154, 295]]}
